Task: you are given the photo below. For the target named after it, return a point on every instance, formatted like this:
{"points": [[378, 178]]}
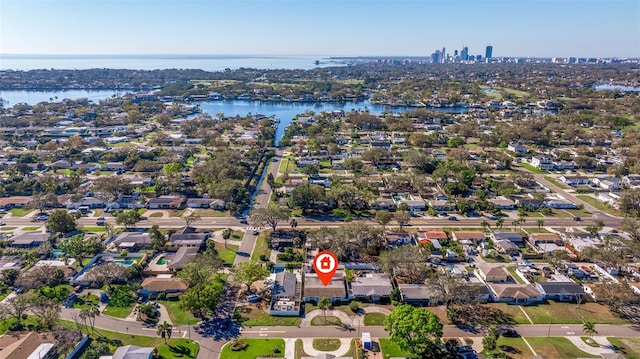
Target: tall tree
{"points": [[165, 330], [270, 215], [60, 221], [190, 216], [490, 341], [128, 218], [383, 218], [249, 272], [324, 304], [415, 330], [226, 234]]}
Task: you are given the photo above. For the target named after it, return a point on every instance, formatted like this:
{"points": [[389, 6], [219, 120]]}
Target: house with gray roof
{"points": [[420, 294], [28, 240], [285, 295], [373, 287], [561, 291], [335, 291], [132, 352], [133, 241]]}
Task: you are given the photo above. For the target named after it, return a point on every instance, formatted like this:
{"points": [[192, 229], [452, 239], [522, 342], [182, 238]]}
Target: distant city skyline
{"points": [[516, 28]]}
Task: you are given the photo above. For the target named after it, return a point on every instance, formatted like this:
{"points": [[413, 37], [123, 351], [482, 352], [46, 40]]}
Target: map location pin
{"points": [[325, 264]]}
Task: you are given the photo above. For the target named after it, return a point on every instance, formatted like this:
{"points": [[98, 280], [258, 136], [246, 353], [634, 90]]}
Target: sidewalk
{"points": [[605, 346]]}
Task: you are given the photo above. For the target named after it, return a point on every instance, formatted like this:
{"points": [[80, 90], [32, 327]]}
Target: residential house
{"points": [[631, 181], [282, 238], [170, 287], [507, 247], [174, 201], [468, 237], [542, 163], [118, 167], [517, 147], [14, 202], [372, 287], [182, 256], [212, 203], [515, 293], [382, 204], [188, 237], [546, 242], [335, 291], [131, 352], [30, 345], [414, 204], [559, 203], [610, 183], [28, 240], [430, 236], [575, 180], [514, 237], [90, 202], [133, 241], [503, 203], [561, 291], [397, 239], [493, 274], [420, 294], [441, 205], [285, 295]]}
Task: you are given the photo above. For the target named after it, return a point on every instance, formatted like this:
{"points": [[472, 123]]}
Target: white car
{"points": [[2, 223]]}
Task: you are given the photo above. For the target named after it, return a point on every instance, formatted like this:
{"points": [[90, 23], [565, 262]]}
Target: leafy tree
{"points": [[60, 221], [324, 304], [164, 331], [402, 216], [9, 276], [112, 187], [226, 234], [128, 218], [346, 196], [157, 237], [203, 298], [88, 315], [17, 306], [249, 272], [415, 330], [270, 215], [383, 218], [190, 217], [304, 196], [77, 247], [490, 341]]}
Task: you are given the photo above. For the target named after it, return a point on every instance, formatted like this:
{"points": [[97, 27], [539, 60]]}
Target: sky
{"points": [[535, 28]]}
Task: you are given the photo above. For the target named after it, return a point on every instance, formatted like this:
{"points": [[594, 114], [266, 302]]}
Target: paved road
{"points": [[215, 339]]}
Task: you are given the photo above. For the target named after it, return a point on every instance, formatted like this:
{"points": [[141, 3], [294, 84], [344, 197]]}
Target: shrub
{"points": [[264, 257], [237, 346], [354, 306]]}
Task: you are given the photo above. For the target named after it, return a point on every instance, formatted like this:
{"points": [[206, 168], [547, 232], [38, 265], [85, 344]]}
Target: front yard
{"points": [[629, 347], [556, 347], [251, 315], [515, 348], [178, 315], [257, 348], [569, 313]]}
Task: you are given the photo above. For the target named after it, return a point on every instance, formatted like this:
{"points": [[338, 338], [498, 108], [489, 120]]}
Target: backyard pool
{"points": [[124, 262], [162, 260]]}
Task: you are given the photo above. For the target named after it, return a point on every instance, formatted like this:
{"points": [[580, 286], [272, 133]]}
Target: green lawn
{"points": [[20, 212], [257, 348], [178, 315], [85, 301], [175, 347], [328, 321], [326, 344], [117, 312], [531, 168], [515, 348], [31, 320], [98, 212], [376, 319], [34, 228], [555, 347], [92, 229], [569, 313], [260, 248], [629, 347], [599, 205], [512, 311], [228, 255], [556, 182], [252, 316], [299, 351], [390, 349]]}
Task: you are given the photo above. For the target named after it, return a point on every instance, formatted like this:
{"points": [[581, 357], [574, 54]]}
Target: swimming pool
{"points": [[124, 262], [162, 260]]}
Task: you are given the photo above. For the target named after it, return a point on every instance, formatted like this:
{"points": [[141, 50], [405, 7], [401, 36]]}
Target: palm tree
{"points": [[589, 328], [500, 222], [484, 225], [293, 223], [324, 304], [164, 331], [226, 234], [540, 223]]}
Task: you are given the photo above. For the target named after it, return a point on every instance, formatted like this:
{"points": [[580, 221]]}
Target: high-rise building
{"points": [[435, 57], [464, 54], [443, 56], [488, 52]]}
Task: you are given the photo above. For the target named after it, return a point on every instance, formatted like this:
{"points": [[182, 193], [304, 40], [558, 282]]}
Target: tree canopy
{"points": [[415, 330]]}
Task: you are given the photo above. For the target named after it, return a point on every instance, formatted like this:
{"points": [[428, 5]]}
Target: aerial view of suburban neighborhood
{"points": [[451, 205]]}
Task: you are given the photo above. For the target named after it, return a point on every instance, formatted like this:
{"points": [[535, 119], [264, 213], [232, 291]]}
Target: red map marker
{"points": [[325, 264]]}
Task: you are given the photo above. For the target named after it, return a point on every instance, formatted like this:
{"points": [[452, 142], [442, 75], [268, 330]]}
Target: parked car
{"points": [[452, 218], [2, 223], [3, 211], [509, 333], [577, 219], [42, 217], [253, 298], [101, 218]]}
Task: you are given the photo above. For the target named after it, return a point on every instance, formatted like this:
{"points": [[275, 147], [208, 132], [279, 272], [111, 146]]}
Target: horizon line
{"points": [[427, 56]]}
